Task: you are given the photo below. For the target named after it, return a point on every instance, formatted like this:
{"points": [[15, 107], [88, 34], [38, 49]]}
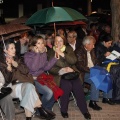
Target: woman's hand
{"points": [[65, 70], [107, 54], [14, 63], [36, 49], [9, 64], [8, 60], [68, 69], [57, 56], [59, 52]]}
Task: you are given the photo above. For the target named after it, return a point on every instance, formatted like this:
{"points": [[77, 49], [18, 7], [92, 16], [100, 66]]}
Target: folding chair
{"points": [[1, 114], [73, 98]]}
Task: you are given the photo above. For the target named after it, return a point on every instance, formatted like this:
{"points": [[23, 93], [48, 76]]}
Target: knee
{"points": [[49, 94], [29, 85]]}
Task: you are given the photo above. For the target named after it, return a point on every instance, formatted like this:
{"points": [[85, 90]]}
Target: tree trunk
{"points": [[89, 7], [115, 11]]}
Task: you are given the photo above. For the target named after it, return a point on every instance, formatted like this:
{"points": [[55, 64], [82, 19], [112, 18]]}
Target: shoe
{"points": [[94, 105], [64, 115], [50, 112], [44, 114], [109, 101], [87, 116], [28, 118]]}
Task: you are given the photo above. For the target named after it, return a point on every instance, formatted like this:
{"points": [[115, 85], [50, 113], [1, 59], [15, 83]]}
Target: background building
{"points": [[16, 8]]}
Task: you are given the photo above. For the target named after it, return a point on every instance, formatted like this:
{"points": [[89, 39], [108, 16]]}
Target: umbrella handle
{"points": [[52, 4], [55, 29], [3, 42]]}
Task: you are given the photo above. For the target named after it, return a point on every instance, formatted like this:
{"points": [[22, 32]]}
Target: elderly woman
{"points": [[36, 60], [14, 70], [66, 64]]}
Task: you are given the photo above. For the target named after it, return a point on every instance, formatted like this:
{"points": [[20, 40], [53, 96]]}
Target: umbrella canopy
{"points": [[101, 78], [73, 23], [53, 15], [12, 30], [63, 25], [20, 20]]}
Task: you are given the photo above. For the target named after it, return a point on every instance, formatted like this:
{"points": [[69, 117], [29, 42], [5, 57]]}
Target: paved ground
{"points": [[108, 112]]}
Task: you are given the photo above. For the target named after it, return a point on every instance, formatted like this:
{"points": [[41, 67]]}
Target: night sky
{"points": [[10, 6]]}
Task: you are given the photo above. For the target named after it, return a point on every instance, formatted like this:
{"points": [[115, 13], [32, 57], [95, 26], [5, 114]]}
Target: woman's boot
{"points": [[28, 118], [45, 114]]}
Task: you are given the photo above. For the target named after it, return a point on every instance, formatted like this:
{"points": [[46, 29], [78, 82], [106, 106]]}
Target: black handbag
{"points": [[70, 76], [5, 91]]}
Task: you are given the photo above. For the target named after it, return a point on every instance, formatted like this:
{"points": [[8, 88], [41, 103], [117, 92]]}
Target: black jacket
{"points": [[100, 50]]}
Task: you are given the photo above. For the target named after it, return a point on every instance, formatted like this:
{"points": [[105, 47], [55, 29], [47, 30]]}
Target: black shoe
{"points": [[28, 118], [65, 115], [94, 105], [109, 101], [50, 112], [44, 114], [87, 116]]}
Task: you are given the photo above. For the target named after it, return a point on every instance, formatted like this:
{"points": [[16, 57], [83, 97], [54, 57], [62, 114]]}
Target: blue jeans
{"points": [[94, 93], [47, 95]]}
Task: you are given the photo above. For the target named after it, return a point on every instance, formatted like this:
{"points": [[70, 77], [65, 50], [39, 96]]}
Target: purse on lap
{"points": [[70, 76]]}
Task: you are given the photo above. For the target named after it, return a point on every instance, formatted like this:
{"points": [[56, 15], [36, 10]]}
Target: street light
{"points": [[1, 1], [2, 19], [1, 7]]}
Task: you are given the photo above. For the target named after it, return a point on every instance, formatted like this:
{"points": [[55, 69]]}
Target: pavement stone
{"points": [[108, 112]]}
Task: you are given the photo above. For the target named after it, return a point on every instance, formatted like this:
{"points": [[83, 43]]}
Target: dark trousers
{"points": [[76, 87]]}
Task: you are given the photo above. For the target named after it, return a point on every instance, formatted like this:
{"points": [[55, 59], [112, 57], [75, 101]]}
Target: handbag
{"points": [[48, 80], [5, 91], [70, 76]]}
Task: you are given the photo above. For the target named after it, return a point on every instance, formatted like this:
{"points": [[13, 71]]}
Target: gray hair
{"points": [[87, 40]]}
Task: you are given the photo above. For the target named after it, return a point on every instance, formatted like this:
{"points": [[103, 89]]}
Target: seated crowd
{"points": [[23, 62]]}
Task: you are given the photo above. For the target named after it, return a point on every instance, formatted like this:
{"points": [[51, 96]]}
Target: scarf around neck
{"points": [[62, 49]]}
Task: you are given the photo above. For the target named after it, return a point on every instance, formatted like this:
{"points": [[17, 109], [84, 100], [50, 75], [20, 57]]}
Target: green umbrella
{"points": [[53, 15]]}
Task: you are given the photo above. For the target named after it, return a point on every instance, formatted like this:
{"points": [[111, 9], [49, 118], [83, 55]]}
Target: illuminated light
{"points": [[94, 12], [1, 1]]}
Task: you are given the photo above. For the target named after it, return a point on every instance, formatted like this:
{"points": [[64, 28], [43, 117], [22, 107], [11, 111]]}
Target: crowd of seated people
{"points": [[14, 70], [20, 73]]}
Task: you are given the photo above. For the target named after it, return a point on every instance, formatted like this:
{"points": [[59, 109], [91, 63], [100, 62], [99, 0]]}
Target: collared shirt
{"points": [[90, 63], [73, 46]]}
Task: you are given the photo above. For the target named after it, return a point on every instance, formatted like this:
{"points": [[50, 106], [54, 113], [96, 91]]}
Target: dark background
{"points": [[10, 7]]}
